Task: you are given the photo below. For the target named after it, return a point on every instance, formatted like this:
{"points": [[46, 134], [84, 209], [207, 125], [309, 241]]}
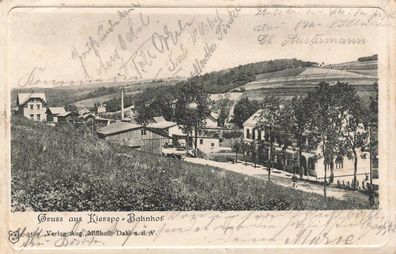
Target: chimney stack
{"points": [[122, 104]]}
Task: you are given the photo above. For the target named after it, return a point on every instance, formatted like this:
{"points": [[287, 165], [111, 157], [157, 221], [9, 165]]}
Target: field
{"points": [[361, 67], [132, 90], [68, 169], [81, 97], [279, 74], [298, 81]]}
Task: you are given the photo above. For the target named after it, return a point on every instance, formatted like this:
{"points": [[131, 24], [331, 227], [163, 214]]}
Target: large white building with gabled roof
{"points": [[32, 106], [311, 161]]}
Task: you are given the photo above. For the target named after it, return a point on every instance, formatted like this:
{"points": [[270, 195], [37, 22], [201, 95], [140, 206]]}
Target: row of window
{"points": [[38, 117], [339, 163], [252, 135], [38, 106]]}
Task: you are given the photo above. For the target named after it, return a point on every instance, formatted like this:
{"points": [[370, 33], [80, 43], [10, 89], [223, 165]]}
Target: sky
{"points": [[52, 46]]}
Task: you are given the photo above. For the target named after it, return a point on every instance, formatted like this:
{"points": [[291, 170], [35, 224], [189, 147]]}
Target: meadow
{"points": [[69, 169]]}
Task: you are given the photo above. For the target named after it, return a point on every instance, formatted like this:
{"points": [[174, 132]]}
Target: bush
{"points": [[232, 134]]}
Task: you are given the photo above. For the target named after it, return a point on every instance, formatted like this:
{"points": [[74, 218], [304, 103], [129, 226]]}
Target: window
{"points": [[253, 134], [266, 136], [339, 162], [311, 163], [143, 132], [31, 106], [201, 141], [38, 117], [32, 117], [247, 133], [259, 135], [38, 106], [212, 144]]}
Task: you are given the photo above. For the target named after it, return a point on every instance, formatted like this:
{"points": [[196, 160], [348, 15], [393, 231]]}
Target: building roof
{"points": [[57, 110], [158, 119], [24, 97], [252, 120], [162, 125], [214, 115], [86, 115], [118, 127]]}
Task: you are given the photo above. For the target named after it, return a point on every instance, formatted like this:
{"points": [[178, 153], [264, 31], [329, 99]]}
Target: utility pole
{"points": [[371, 190]]}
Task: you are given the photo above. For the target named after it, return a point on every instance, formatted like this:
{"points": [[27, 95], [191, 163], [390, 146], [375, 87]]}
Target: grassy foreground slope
{"points": [[67, 169]]}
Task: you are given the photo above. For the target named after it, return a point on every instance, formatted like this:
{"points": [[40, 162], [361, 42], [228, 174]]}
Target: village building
{"points": [[87, 116], [33, 106], [135, 136], [171, 129], [208, 144], [101, 109], [57, 115], [83, 111], [157, 119], [212, 121], [311, 161], [101, 121]]}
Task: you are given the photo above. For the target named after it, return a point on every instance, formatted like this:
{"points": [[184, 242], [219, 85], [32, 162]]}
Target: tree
{"points": [[192, 109], [144, 114], [253, 152], [324, 125], [244, 150], [295, 121], [243, 109], [223, 111], [353, 122], [269, 121], [237, 147]]}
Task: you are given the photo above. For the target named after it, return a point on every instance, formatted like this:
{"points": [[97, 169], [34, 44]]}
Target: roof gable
{"points": [[24, 97], [158, 119], [57, 110], [253, 119]]}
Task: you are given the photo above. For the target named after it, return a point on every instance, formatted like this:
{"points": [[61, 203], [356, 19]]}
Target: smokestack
{"points": [[122, 104]]}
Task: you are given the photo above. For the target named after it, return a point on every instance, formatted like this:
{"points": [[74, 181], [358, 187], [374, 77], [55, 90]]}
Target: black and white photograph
{"points": [[205, 109]]}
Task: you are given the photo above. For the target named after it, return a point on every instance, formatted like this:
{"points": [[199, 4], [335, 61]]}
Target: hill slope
{"points": [[67, 169]]}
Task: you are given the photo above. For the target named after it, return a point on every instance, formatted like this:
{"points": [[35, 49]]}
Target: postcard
{"points": [[220, 126]]}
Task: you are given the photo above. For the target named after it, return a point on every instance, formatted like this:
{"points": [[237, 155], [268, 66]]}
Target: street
{"points": [[281, 178]]}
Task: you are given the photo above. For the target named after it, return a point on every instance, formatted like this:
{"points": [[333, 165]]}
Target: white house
{"points": [[32, 106], [212, 121], [101, 109], [208, 144], [83, 111]]}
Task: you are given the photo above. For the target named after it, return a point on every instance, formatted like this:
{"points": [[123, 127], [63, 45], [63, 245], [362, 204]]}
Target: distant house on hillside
{"points": [[101, 109], [83, 111], [32, 106], [135, 136], [57, 114], [87, 116]]}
